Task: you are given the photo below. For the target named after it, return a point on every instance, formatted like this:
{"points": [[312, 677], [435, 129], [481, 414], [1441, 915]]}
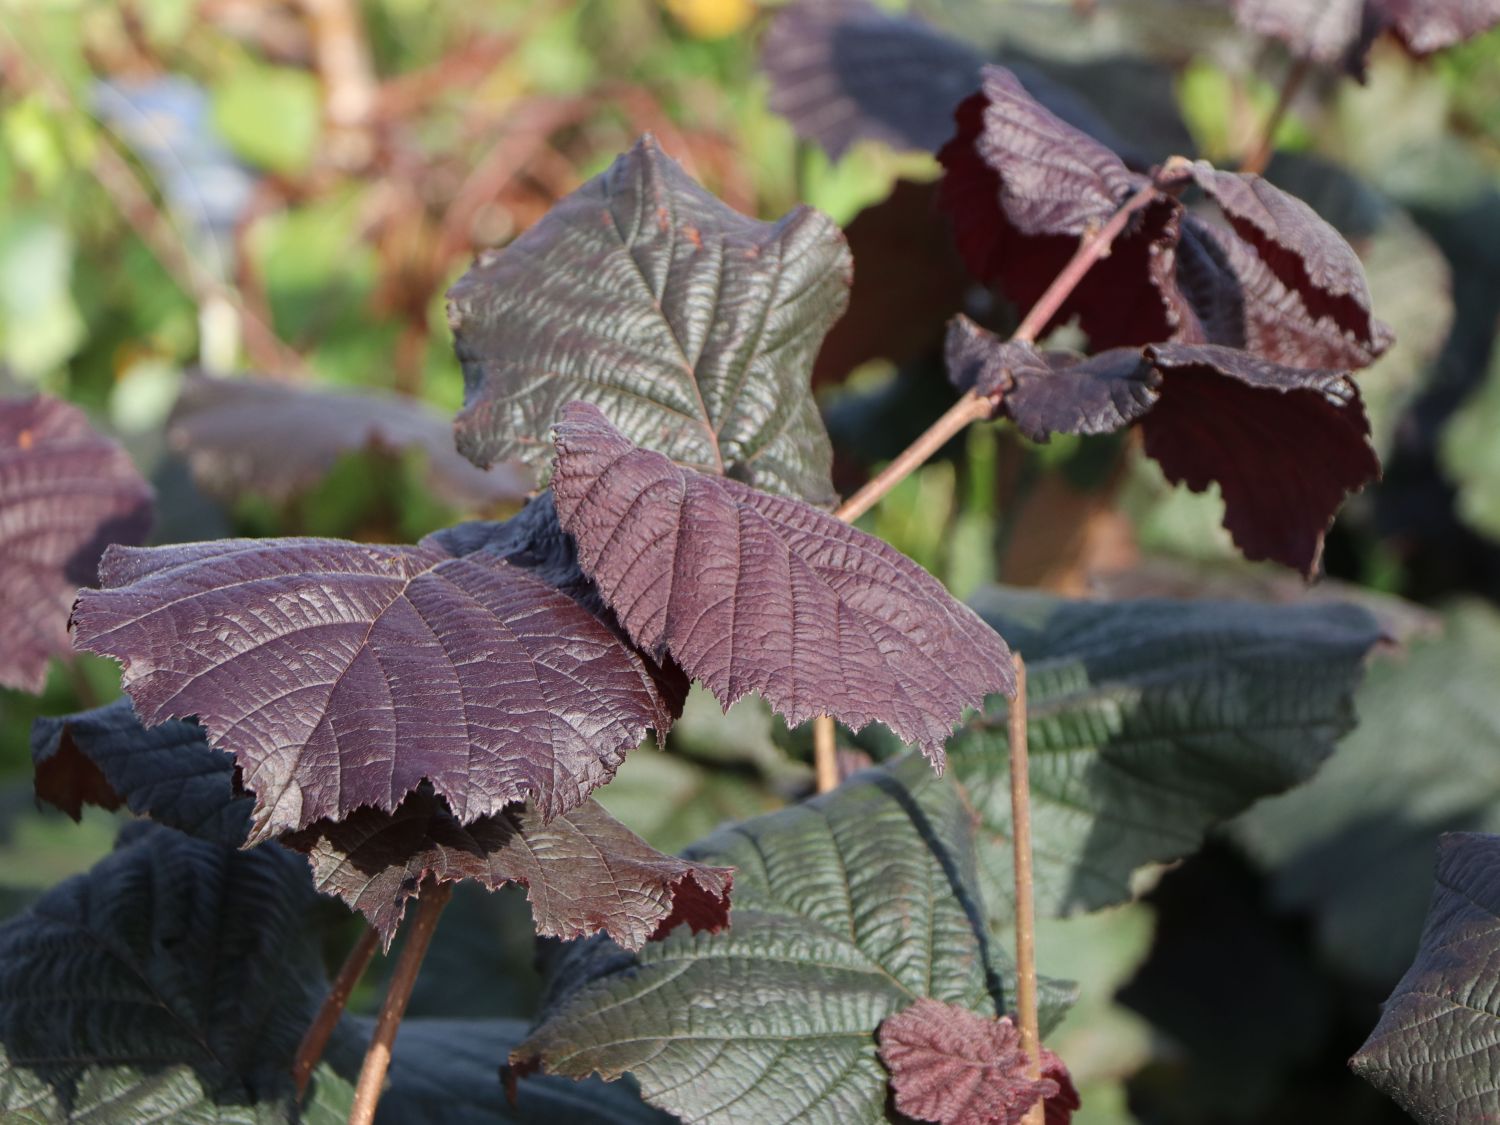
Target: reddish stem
{"points": [[1261, 155], [313, 1043]]}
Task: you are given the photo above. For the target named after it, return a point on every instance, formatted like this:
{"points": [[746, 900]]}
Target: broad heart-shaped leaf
{"points": [[172, 982], [754, 592], [1284, 444], [847, 909], [343, 675], [586, 872], [1435, 1048], [66, 493], [1150, 722], [244, 436], [693, 326], [955, 1067]]}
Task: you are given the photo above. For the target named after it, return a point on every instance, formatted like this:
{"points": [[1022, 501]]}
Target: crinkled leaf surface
{"points": [[66, 493], [1434, 1050], [273, 439], [1339, 32], [173, 982], [956, 1067], [1150, 722], [846, 910], [343, 675], [693, 326], [754, 592], [586, 872], [1284, 444]]}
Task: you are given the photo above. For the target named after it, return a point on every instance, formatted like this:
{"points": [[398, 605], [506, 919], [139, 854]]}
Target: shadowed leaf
{"points": [[693, 326], [753, 592], [66, 493], [249, 436], [1434, 1049], [343, 675], [952, 1066]]}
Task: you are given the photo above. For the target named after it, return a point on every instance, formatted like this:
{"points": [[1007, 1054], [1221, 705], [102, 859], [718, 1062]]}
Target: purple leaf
{"points": [[585, 871], [343, 675], [1284, 444], [1338, 33], [954, 1067], [694, 326], [249, 436], [753, 592], [66, 493], [1051, 392]]}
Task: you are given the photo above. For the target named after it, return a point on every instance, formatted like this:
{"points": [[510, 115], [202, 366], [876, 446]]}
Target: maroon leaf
{"points": [[243, 436], [1284, 444], [952, 1066], [753, 592], [1051, 392], [1022, 187], [343, 675], [1425, 26], [66, 493], [1307, 255], [1339, 32], [585, 871]]}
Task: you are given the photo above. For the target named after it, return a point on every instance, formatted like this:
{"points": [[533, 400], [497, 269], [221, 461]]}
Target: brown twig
{"points": [[342, 55], [826, 753], [1020, 815], [310, 1050], [367, 1090], [1260, 156]]}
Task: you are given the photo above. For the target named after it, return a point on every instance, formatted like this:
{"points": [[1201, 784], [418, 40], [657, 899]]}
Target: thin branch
{"points": [[367, 1090], [1260, 156], [826, 753], [1020, 815], [310, 1050]]}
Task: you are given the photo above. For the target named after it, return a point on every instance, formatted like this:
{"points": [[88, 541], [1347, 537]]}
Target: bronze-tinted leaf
{"points": [[1051, 392], [66, 493], [584, 870], [254, 436], [1022, 187], [955, 1067], [753, 592], [1284, 444], [693, 325], [343, 675]]}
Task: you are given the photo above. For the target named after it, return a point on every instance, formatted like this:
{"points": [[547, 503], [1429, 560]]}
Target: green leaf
{"points": [[270, 115], [172, 982], [1354, 847], [1435, 1048], [690, 325], [846, 910], [1471, 456], [1150, 722], [40, 326]]}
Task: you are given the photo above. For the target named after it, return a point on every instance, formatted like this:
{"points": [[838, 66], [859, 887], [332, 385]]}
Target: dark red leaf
{"points": [[1306, 254], [66, 493], [1339, 32], [251, 436], [754, 592], [585, 871], [954, 1067], [1425, 26], [343, 675], [1022, 187], [1284, 444], [1051, 392]]}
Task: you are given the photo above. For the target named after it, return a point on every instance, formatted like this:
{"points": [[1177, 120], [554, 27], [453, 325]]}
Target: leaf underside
{"points": [[754, 592], [693, 326], [66, 493]]}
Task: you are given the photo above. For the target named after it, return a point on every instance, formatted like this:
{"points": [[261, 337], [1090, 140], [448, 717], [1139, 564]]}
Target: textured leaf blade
{"points": [[66, 493], [1433, 1050], [302, 658], [753, 592], [1150, 722], [847, 909], [256, 436], [693, 326], [952, 1066]]}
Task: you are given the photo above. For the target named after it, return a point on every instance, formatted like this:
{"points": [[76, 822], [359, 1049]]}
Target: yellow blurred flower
{"points": [[711, 19]]}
